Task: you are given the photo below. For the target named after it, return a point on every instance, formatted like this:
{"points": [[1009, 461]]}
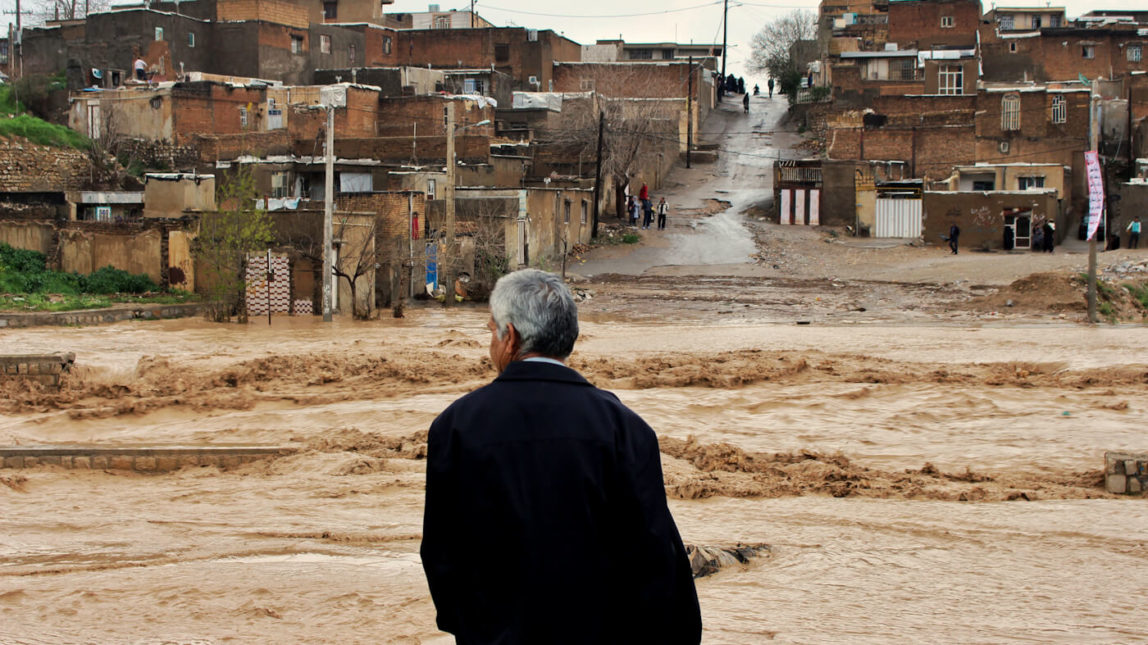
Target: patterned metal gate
{"points": [[898, 218]]}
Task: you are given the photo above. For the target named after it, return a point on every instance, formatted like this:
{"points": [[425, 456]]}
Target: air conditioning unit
{"points": [[532, 35], [1003, 147], [533, 80]]}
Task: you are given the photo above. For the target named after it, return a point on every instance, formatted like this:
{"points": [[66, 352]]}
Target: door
{"points": [[1021, 225], [898, 218]]}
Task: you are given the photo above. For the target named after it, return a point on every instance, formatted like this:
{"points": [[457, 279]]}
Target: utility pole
{"points": [[1093, 144], [598, 174], [690, 113], [446, 269], [328, 208], [724, 32], [472, 14]]}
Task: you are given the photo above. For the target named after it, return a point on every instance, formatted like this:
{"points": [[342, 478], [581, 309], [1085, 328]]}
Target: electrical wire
{"points": [[603, 16]]}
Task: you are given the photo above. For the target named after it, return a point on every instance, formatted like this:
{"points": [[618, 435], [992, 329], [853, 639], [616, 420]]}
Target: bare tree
{"points": [[359, 257], [43, 10], [770, 47]]}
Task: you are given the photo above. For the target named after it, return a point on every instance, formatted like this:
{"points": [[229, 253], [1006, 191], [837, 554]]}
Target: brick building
{"points": [[1063, 54], [934, 24], [526, 55]]}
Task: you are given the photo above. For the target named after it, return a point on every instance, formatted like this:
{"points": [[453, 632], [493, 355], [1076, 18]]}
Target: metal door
{"points": [[898, 218]]}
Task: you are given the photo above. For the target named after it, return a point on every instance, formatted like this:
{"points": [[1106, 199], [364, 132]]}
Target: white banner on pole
{"points": [[1095, 191]]}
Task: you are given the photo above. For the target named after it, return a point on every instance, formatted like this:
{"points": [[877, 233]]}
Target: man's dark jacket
{"points": [[546, 518]]}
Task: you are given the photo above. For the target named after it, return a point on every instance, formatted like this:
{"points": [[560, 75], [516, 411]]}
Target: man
{"points": [[745, 103], [647, 213], [1134, 233], [141, 69], [770, 86], [954, 233], [546, 517], [663, 210]]}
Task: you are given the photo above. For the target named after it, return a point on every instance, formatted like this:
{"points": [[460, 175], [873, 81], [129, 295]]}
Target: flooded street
{"points": [[923, 466]]}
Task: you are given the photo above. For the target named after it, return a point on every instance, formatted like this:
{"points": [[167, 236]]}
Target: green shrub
{"points": [[21, 260], [1139, 292], [110, 280], [630, 238]]}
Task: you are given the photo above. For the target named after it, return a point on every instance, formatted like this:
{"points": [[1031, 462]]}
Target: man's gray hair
{"points": [[540, 307]]}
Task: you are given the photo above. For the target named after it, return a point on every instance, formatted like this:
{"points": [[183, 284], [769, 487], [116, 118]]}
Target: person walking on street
{"points": [[663, 210], [770, 86], [1134, 233], [647, 213], [545, 518], [745, 103], [1049, 236], [954, 233]]}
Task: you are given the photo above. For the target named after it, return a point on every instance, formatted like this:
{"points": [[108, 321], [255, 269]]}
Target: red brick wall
{"points": [[1057, 55], [374, 54], [396, 115], [355, 120], [634, 80], [917, 23]]}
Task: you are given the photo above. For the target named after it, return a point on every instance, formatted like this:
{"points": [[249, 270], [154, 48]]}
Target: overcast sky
{"points": [[699, 21]]}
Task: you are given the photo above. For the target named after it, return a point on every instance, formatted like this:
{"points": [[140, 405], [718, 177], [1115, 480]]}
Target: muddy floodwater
{"points": [[916, 482]]}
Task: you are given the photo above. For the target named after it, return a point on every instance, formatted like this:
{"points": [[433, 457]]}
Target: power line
{"points": [[603, 16]]}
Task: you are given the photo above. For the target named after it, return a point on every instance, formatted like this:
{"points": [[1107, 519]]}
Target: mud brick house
{"points": [[391, 81], [983, 216], [1065, 53], [1036, 124], [434, 18], [934, 24], [525, 55]]}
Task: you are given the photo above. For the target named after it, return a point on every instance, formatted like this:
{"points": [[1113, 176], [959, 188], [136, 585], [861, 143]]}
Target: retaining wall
{"points": [[44, 368], [1126, 472], [98, 316], [139, 459]]}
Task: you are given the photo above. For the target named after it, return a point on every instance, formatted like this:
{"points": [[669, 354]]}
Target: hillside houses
{"points": [[937, 88], [243, 87]]}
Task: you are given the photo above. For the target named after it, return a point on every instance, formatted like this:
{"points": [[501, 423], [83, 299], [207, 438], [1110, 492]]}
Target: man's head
{"points": [[532, 313]]}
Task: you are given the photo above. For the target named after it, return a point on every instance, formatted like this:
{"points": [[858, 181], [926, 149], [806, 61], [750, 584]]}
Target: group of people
{"points": [[644, 207], [1044, 237]]}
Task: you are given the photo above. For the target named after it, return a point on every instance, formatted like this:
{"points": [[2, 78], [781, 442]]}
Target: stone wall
{"points": [[43, 368], [146, 460], [1126, 472], [27, 167]]}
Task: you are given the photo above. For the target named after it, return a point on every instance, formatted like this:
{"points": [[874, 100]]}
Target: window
{"points": [[947, 22], [951, 79], [1010, 112], [159, 33], [279, 185], [243, 116], [351, 53], [641, 54], [566, 212], [296, 44], [1025, 183], [330, 10], [1006, 23], [324, 44], [905, 69], [191, 39], [431, 184], [586, 85], [667, 54], [1054, 21], [982, 184], [502, 53], [585, 210], [1012, 48], [386, 45], [1087, 51], [1036, 22], [442, 22], [1134, 53], [1059, 109]]}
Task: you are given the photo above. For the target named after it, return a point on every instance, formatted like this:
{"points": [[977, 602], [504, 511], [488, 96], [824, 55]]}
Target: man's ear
{"points": [[513, 340]]}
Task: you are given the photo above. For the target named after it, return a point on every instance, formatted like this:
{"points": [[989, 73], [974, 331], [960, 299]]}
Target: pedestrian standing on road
{"points": [[770, 86], [647, 213], [644, 193], [546, 518], [745, 103], [1134, 233], [634, 208], [663, 210], [954, 233], [1049, 236]]}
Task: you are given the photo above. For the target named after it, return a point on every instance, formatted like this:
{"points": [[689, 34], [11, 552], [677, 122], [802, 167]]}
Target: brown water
{"points": [[322, 546]]}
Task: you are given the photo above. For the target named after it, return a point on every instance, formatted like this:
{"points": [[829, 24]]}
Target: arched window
{"points": [[1010, 112]]}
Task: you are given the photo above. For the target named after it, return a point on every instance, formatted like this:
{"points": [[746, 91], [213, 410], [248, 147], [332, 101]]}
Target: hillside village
{"points": [[463, 149]]}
